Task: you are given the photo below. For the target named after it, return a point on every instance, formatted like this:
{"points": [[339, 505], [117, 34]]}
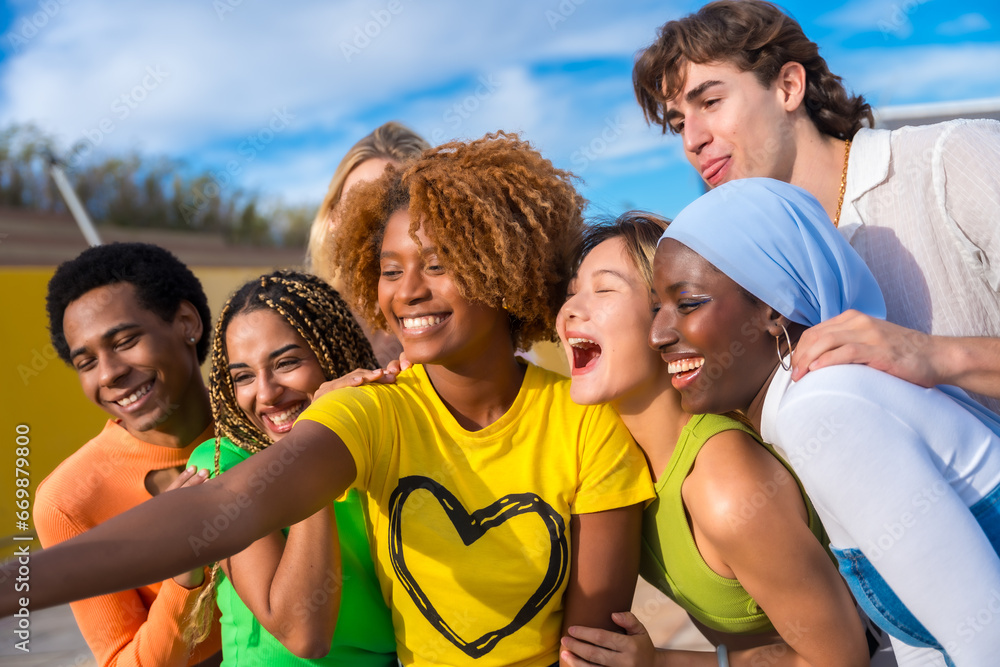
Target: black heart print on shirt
{"points": [[470, 527]]}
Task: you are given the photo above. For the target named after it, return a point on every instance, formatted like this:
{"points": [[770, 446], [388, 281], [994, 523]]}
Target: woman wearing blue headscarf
{"points": [[905, 478]]}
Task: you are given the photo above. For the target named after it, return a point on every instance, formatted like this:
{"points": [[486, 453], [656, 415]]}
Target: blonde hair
{"points": [[640, 231], [392, 141]]}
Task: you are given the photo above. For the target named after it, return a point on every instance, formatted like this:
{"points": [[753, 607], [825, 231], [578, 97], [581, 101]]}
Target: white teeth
{"points": [[139, 393], [422, 322], [579, 341], [282, 418], [685, 365]]}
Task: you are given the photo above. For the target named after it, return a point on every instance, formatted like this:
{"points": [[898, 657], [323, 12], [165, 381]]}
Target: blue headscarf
{"points": [[777, 242]]}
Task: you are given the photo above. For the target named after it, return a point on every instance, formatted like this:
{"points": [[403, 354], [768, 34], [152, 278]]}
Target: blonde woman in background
{"points": [[390, 143]]}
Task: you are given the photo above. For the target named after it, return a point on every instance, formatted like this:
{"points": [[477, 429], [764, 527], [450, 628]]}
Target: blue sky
{"points": [[270, 95]]}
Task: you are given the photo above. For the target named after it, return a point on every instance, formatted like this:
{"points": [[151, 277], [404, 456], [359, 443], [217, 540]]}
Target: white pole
{"points": [[73, 203]]}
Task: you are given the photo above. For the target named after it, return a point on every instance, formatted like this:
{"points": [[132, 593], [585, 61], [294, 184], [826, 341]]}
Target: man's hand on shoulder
{"points": [[855, 338]]}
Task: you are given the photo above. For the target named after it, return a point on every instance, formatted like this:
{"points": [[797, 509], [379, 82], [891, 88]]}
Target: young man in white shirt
{"points": [[750, 95]]}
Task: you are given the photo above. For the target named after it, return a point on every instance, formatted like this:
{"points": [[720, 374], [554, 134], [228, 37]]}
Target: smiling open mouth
{"points": [[585, 353], [685, 365], [421, 323], [136, 395], [285, 418]]}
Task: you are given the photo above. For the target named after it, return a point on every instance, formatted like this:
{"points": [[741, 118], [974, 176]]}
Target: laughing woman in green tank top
{"points": [[731, 537]]}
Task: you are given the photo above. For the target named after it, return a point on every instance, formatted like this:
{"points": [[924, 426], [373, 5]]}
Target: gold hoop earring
{"points": [[777, 345]]}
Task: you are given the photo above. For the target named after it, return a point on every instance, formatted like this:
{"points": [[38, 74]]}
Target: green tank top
{"points": [[670, 558], [364, 634]]}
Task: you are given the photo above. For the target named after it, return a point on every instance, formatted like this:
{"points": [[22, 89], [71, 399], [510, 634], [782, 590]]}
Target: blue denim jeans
{"points": [[880, 602]]}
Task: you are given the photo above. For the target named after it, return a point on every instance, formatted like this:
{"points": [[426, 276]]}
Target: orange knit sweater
{"points": [[104, 478]]}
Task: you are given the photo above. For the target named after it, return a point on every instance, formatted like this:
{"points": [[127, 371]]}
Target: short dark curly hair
{"points": [[161, 282], [504, 219]]}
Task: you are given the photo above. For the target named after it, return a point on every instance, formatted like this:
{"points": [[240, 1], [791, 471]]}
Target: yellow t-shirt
{"points": [[472, 527]]}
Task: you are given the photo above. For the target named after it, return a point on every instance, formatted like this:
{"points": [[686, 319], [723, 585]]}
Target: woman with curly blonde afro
{"points": [[504, 220], [501, 512]]}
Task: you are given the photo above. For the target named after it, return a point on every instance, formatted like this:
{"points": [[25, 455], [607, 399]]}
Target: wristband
{"points": [[722, 653]]}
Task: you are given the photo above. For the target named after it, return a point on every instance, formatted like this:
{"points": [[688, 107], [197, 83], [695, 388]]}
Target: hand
{"points": [[856, 338], [592, 646], [190, 476], [396, 366], [359, 377]]}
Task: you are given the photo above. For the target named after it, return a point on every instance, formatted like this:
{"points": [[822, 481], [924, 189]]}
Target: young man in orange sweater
{"points": [[134, 323]]}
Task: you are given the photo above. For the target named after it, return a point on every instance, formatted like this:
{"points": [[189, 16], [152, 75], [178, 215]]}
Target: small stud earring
{"points": [[190, 339]]}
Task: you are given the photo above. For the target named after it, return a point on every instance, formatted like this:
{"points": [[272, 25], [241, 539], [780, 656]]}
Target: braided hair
{"points": [[318, 314]]}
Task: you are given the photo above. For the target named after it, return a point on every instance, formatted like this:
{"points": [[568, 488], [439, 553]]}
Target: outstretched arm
{"points": [[842, 429], [178, 531], [122, 628]]}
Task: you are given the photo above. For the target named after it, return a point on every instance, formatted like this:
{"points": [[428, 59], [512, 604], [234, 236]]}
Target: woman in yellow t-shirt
{"points": [[504, 512]]}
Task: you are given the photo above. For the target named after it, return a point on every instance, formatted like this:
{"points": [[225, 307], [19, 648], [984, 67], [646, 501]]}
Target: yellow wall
{"points": [[38, 390]]}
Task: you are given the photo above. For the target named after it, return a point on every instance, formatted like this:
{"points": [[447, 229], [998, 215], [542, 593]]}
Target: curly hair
{"points": [[640, 231], [390, 141], [318, 314], [161, 282], [503, 218], [754, 36]]}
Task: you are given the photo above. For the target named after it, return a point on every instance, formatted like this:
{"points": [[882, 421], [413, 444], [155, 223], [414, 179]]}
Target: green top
{"points": [[364, 633], [670, 558]]}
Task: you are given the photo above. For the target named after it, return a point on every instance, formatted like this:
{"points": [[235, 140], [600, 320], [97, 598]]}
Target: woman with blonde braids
{"points": [[502, 513], [278, 338]]}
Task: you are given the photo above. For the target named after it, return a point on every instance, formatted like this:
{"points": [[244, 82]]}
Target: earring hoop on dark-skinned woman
{"points": [[777, 344]]}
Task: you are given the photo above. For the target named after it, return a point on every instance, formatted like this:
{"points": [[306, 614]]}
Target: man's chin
{"points": [[146, 422]]}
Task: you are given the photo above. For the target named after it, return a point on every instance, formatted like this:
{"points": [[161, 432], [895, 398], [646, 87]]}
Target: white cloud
{"points": [[604, 33], [925, 73], [226, 75], [339, 70], [964, 25], [888, 17]]}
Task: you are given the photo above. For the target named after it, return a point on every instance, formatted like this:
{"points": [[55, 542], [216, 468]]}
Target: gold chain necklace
{"points": [[843, 182]]}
